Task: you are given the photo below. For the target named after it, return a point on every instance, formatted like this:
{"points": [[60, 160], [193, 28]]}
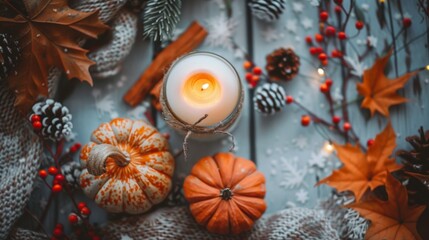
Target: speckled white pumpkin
{"points": [[127, 166]]}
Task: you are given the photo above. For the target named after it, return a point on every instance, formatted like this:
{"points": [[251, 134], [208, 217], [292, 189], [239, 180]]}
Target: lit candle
{"points": [[202, 83]]}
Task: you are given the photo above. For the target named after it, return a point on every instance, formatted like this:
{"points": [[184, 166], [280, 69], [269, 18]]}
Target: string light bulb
{"points": [[427, 67], [328, 147], [321, 71]]}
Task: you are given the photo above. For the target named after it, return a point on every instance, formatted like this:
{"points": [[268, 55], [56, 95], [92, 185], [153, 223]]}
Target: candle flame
{"points": [[205, 86]]}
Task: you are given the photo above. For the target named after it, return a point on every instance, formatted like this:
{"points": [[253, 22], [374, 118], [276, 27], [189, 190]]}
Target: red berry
{"points": [[318, 37], [37, 125], [359, 25], [406, 22], [253, 84], [257, 70], [57, 188], [43, 173], [305, 120], [336, 53], [342, 35], [35, 118], [249, 77], [308, 40], [323, 57], [81, 205], [60, 178], [324, 16], [324, 88], [338, 9], [313, 50], [329, 82], [78, 145], [73, 149], [53, 170], [85, 211], [370, 142], [330, 31], [336, 119], [247, 65], [255, 78], [57, 232], [289, 99], [59, 226], [325, 62], [347, 126], [73, 218]]}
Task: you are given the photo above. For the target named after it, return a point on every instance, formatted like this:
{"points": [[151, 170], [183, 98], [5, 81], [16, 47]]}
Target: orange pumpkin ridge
{"points": [[133, 164], [225, 193]]}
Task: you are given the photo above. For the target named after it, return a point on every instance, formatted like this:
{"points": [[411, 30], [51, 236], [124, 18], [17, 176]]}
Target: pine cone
{"points": [[268, 10], [9, 55], [416, 165], [282, 64], [269, 98], [55, 118], [71, 172]]}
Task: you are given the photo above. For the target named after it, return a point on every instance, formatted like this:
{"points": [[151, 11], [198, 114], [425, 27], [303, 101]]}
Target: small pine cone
{"points": [[9, 55], [71, 172], [55, 118], [268, 10], [282, 64], [269, 98], [417, 160]]}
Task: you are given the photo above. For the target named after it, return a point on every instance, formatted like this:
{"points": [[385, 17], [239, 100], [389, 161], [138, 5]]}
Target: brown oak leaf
{"points": [[364, 171], [391, 219], [49, 35], [379, 91]]}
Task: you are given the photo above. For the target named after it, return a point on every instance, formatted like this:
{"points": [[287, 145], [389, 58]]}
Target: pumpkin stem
{"points": [[226, 194], [98, 155]]}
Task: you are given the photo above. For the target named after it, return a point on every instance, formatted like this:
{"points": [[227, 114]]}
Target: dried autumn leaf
{"points": [[391, 219], [379, 91], [361, 171], [49, 32]]}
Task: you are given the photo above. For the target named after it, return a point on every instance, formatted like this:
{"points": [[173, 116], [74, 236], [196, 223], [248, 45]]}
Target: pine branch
{"points": [[160, 18]]}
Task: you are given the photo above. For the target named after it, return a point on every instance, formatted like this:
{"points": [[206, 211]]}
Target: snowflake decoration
{"points": [[105, 105], [270, 34], [297, 7], [358, 67], [302, 196], [291, 26], [314, 3], [239, 54], [220, 3], [293, 173], [126, 237], [221, 31], [365, 7], [301, 142], [138, 112], [307, 23], [317, 160]]}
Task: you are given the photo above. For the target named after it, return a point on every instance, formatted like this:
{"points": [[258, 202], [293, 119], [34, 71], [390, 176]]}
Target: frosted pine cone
{"points": [[71, 172], [55, 119], [282, 64], [9, 55], [268, 10], [269, 98]]}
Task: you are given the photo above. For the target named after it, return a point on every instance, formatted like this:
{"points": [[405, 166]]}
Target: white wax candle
{"points": [[202, 83]]}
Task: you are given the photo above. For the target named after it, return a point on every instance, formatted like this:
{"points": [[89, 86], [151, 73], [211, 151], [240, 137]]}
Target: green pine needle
{"points": [[160, 18]]}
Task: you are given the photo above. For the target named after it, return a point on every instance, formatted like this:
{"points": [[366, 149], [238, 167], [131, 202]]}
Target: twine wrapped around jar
{"points": [[221, 127]]}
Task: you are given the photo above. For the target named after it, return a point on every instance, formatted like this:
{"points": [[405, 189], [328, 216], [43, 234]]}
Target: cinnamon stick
{"points": [[189, 40], [155, 93]]}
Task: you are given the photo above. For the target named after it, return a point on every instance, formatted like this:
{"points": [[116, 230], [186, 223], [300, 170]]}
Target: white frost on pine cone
{"points": [[357, 66], [221, 31], [293, 173]]}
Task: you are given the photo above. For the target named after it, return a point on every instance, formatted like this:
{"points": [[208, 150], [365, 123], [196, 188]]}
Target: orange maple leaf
{"points": [[50, 32], [392, 219], [379, 91], [361, 171]]}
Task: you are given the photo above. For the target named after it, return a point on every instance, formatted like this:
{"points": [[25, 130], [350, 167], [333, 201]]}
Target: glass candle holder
{"points": [[202, 93]]}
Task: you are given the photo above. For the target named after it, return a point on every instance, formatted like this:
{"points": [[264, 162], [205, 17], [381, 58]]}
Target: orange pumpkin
{"points": [[127, 166], [226, 193]]}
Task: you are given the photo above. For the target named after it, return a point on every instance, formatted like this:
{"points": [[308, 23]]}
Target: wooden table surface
{"points": [[290, 156]]}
